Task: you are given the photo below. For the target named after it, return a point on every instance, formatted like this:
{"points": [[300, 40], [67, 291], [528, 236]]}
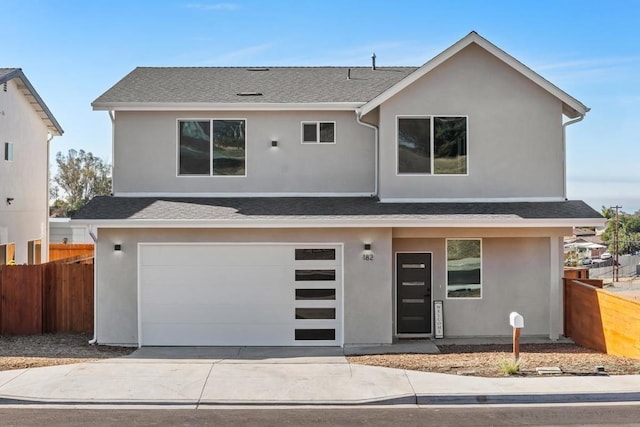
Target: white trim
{"points": [[471, 200], [221, 106], [473, 37], [432, 159], [292, 222], [318, 123], [211, 170], [395, 297], [236, 195], [556, 296], [339, 327], [446, 271]]}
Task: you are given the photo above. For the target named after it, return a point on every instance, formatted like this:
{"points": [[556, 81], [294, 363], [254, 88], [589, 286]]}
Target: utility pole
{"points": [[615, 246]]}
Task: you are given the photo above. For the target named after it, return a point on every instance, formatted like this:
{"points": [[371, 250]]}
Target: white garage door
{"points": [[239, 294]]}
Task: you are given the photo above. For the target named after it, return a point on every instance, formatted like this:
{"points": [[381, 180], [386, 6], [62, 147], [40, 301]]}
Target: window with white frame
{"points": [[318, 132], [464, 268], [434, 145], [212, 147], [8, 151]]}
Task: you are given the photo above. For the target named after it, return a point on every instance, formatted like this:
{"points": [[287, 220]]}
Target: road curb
{"points": [[526, 398], [422, 399]]}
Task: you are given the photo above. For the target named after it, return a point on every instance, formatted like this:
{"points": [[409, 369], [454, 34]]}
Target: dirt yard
{"points": [[484, 360], [17, 352], [30, 351]]}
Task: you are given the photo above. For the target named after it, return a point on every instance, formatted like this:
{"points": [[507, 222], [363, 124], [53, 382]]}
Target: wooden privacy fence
{"points": [[602, 320], [46, 298], [59, 251]]}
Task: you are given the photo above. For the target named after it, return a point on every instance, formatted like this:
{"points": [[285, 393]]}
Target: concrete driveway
{"points": [[196, 376]]}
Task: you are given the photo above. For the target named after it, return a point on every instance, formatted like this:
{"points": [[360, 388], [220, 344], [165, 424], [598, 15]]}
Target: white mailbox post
{"points": [[517, 322]]}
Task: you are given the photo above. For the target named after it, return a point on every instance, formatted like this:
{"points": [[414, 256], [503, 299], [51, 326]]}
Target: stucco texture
{"points": [[367, 285], [145, 155], [514, 132]]}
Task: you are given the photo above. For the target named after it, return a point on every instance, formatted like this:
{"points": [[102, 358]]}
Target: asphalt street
{"points": [[543, 415]]}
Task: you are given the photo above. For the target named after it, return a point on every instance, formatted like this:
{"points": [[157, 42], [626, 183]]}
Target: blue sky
{"points": [[74, 50]]}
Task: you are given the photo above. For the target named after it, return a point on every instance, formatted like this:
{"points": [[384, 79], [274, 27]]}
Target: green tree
{"points": [[80, 177], [628, 233], [607, 212]]}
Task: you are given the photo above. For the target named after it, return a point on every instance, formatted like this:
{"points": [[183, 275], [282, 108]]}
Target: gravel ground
{"points": [[484, 360], [30, 351], [17, 352]]}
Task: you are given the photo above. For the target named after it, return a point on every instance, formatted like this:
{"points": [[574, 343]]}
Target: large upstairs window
{"points": [[432, 145], [212, 147]]}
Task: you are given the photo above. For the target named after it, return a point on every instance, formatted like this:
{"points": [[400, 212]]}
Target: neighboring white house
{"points": [[334, 205], [61, 230], [26, 128]]}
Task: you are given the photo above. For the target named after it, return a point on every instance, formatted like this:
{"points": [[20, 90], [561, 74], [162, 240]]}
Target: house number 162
{"points": [[367, 257]]}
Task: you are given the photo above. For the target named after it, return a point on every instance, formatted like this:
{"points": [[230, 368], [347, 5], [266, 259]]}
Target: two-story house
{"points": [[26, 129], [334, 205]]}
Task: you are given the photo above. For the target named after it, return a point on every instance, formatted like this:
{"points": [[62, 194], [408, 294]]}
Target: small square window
{"points": [[327, 132], [318, 132], [8, 151], [309, 132]]}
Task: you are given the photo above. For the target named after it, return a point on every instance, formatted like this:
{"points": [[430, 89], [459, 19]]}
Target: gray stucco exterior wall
{"points": [[514, 132], [367, 285], [515, 277], [145, 155]]}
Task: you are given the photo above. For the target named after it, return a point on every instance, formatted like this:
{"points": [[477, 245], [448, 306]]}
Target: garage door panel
{"points": [[218, 313], [190, 274], [231, 334], [216, 255], [225, 294], [266, 284]]}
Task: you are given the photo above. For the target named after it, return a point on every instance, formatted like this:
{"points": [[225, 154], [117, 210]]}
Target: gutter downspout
{"points": [[112, 116], [564, 150], [94, 340], [376, 142], [46, 243]]}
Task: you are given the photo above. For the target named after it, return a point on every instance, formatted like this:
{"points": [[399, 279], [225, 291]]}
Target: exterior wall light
{"points": [[9, 200], [367, 246], [117, 247], [274, 142]]}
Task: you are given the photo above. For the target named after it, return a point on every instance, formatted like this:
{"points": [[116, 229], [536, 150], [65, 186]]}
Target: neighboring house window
{"points": [[432, 145], [318, 132], [212, 147], [8, 151], [34, 252], [7, 253], [464, 268]]}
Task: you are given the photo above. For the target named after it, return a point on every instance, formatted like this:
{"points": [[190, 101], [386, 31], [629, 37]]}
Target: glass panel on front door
{"points": [[413, 293]]}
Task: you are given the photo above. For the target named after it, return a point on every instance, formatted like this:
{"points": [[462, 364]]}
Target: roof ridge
{"points": [[273, 66]]}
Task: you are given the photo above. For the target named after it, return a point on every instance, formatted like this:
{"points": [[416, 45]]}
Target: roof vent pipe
{"points": [[373, 61], [348, 73]]}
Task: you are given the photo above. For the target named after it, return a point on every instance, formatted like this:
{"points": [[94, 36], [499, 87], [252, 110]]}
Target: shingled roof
{"points": [[264, 85], [309, 209]]}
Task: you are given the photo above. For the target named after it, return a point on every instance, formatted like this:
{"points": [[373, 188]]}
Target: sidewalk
{"points": [[195, 377]]}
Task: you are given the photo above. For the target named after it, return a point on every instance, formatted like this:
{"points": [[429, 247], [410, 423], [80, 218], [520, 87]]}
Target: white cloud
{"points": [[214, 6]]}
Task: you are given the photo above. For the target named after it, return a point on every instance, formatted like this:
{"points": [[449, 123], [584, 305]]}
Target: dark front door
{"points": [[413, 282]]}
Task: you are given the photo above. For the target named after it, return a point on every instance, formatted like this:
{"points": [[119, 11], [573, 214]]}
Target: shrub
{"points": [[509, 366]]}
